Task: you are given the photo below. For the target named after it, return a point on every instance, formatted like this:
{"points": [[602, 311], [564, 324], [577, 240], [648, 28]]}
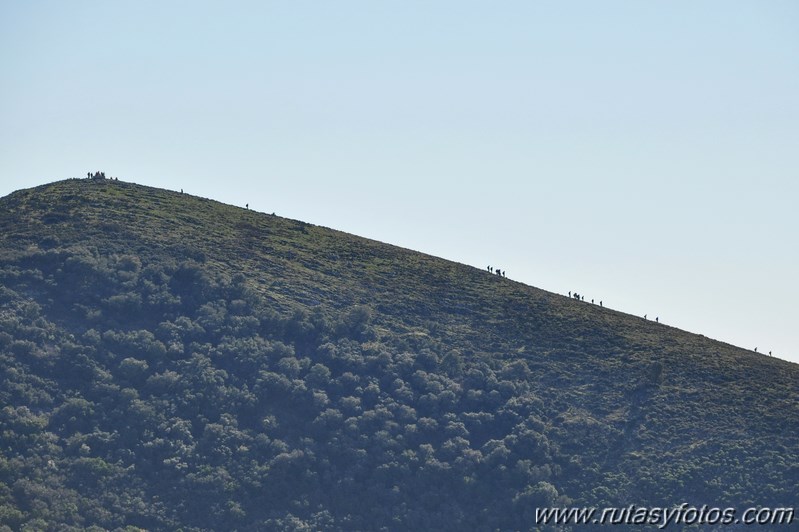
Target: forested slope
{"points": [[169, 362]]}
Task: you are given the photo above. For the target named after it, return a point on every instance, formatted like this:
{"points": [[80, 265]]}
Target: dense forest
{"points": [[172, 363]]}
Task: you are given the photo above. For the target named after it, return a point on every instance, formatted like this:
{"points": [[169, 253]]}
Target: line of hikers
{"points": [[499, 272], [578, 297]]}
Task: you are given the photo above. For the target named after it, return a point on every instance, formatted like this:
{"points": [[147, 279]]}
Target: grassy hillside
{"points": [[168, 361]]}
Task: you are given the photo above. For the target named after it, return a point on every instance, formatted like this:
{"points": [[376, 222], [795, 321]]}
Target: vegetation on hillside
{"points": [[168, 362]]}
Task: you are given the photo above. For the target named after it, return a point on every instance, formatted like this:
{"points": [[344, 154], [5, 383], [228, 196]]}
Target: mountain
{"points": [[168, 362]]}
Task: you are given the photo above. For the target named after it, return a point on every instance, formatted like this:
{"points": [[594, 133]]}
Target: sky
{"points": [[641, 153]]}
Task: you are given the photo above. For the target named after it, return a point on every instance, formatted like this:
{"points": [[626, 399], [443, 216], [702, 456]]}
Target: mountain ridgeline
{"points": [[169, 362]]}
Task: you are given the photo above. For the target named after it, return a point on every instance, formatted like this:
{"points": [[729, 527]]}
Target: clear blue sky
{"points": [[642, 153]]}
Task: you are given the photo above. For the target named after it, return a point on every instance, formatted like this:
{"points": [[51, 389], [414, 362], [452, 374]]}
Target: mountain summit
{"points": [[170, 362]]}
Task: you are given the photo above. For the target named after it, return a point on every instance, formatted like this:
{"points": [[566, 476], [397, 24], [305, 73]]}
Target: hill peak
{"points": [[270, 371]]}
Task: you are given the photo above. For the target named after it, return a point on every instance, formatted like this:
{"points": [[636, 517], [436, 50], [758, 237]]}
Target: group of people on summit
{"points": [[99, 175]]}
